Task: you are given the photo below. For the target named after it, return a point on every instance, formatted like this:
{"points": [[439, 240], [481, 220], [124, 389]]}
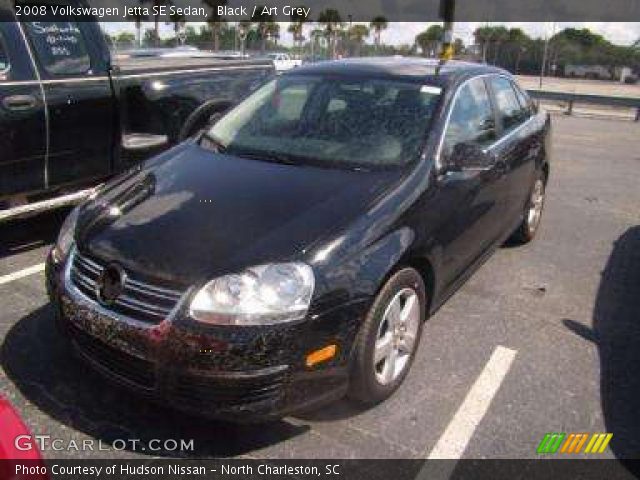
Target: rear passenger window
{"points": [[525, 101], [509, 109], [4, 59], [471, 120], [59, 46]]}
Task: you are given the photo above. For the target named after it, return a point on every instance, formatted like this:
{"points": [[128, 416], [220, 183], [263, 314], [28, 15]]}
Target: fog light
{"points": [[321, 355]]}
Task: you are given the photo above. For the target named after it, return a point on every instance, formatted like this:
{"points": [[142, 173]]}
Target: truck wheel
{"points": [[200, 117], [532, 213], [388, 339]]}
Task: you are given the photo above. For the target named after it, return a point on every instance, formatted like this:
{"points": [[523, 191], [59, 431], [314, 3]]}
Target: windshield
{"points": [[336, 122]]}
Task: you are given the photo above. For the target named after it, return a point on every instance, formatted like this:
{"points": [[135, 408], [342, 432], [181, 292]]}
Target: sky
{"points": [[622, 33]]}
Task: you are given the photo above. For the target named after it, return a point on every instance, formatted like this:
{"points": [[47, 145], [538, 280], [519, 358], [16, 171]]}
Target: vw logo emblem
{"points": [[110, 284]]}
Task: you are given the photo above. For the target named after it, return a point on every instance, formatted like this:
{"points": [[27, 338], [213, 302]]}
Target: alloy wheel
{"points": [[536, 203], [396, 338]]}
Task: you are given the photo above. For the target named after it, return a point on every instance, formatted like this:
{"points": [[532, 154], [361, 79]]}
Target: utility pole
{"points": [[545, 53], [243, 37], [235, 37], [544, 61], [447, 12]]}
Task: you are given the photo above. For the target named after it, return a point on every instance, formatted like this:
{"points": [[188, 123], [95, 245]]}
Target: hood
{"points": [[191, 214]]}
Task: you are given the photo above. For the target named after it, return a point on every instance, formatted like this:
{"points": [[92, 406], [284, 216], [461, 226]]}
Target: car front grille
{"points": [[202, 392], [115, 362], [139, 300]]}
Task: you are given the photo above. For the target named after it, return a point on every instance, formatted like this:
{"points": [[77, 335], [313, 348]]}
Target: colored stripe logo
{"points": [[574, 442]]}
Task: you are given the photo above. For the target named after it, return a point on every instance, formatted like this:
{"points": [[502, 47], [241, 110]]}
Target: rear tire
{"points": [[532, 212], [388, 339]]}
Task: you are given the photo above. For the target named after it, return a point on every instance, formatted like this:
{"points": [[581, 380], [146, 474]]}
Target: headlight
{"points": [[263, 295], [65, 237]]}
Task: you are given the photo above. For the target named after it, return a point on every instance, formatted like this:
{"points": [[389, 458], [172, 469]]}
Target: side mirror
{"points": [[203, 117], [213, 119], [469, 156]]}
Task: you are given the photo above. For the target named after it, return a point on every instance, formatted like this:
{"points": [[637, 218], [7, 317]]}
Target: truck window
{"points": [[59, 46], [4, 59]]}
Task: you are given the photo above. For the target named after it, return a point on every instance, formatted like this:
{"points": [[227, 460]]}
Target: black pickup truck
{"points": [[71, 115]]}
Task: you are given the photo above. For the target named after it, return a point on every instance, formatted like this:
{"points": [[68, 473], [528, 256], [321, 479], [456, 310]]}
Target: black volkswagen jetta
{"points": [[291, 252]]}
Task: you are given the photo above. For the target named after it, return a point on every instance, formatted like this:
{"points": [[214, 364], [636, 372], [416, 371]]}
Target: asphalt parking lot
{"points": [[543, 338]]}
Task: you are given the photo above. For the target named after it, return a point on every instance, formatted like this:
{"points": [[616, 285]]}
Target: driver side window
{"points": [[285, 107], [471, 121]]}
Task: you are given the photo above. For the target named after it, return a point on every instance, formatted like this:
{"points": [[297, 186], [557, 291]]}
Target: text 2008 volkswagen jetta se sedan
{"points": [[291, 252]]}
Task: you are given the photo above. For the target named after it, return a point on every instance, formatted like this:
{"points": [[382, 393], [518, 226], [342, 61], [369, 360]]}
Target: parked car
{"points": [[181, 51], [292, 252], [18, 449], [283, 61], [71, 116]]}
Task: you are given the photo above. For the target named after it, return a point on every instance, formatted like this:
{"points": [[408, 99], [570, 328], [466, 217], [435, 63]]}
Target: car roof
{"points": [[428, 70]]}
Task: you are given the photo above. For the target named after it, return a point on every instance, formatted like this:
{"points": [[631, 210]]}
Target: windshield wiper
{"points": [[266, 156]]}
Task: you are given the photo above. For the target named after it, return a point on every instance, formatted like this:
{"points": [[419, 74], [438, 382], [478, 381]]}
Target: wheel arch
{"points": [[423, 260], [425, 268]]}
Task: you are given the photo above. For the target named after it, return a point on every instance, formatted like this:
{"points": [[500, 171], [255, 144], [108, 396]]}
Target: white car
{"points": [[283, 61]]}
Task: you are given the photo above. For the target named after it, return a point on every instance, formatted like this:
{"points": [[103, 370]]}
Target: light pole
{"points": [[545, 52], [243, 38], [235, 37], [447, 12], [521, 50]]}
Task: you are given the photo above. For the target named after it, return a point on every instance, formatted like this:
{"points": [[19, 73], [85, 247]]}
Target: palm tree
{"points": [[378, 24], [357, 34], [272, 30], [500, 35], [215, 21], [242, 30], [264, 22], [156, 18], [429, 39], [315, 34], [332, 22], [137, 19], [178, 20], [517, 40], [295, 28], [483, 37]]}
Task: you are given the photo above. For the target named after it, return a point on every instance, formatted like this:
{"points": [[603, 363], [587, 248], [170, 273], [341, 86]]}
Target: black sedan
{"points": [[290, 252]]}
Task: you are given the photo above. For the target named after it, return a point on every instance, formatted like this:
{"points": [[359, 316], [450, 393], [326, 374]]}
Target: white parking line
{"points": [[455, 438], [22, 273]]}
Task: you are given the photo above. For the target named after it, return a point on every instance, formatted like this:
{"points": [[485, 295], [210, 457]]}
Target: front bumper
{"points": [[235, 373]]}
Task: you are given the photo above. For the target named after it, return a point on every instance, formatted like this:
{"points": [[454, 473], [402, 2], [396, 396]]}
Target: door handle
{"points": [[19, 102]]}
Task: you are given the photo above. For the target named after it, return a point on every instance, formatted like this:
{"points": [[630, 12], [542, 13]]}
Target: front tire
{"points": [[389, 337], [532, 213]]}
